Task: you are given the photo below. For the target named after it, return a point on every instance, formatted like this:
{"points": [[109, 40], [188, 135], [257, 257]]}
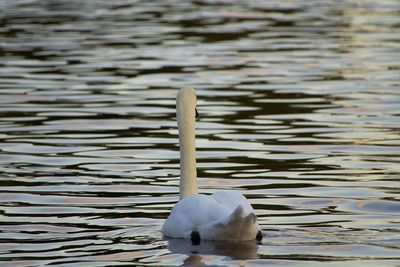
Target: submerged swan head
{"points": [[186, 114]]}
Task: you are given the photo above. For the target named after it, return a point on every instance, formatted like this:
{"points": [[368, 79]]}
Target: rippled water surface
{"points": [[299, 107]]}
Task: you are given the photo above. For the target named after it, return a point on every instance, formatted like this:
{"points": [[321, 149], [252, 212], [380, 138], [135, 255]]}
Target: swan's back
{"points": [[225, 215]]}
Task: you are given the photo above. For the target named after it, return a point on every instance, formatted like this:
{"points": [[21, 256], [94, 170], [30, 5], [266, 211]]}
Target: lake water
{"points": [[299, 107]]}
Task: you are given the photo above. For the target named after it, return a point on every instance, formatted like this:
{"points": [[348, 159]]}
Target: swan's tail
{"points": [[238, 226]]}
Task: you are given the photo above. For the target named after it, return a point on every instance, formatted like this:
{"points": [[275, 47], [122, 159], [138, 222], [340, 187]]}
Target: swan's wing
{"points": [[238, 226], [225, 215], [192, 212], [233, 199]]}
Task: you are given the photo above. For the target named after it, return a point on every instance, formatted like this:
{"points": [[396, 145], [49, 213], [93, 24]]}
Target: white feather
{"points": [[223, 216]]}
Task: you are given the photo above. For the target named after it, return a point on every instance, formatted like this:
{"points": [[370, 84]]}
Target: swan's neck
{"points": [[186, 126]]}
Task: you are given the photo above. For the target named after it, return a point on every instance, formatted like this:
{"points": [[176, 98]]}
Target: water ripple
{"points": [[298, 105]]}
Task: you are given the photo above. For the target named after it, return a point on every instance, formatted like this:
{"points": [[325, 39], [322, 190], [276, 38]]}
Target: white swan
{"points": [[223, 216]]}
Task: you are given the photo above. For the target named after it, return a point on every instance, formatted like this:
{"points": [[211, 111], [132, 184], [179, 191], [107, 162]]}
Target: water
{"points": [[299, 110]]}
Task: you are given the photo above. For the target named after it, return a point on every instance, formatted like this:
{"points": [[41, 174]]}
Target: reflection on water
{"points": [[233, 250], [299, 110]]}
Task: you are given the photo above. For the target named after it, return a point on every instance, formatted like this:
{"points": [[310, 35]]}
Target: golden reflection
{"points": [[221, 182], [120, 255], [193, 260], [198, 254]]}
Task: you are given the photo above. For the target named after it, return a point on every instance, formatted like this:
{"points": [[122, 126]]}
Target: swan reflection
{"points": [[233, 250]]}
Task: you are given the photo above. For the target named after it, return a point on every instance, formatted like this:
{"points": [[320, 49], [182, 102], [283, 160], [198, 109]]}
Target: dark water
{"points": [[300, 110]]}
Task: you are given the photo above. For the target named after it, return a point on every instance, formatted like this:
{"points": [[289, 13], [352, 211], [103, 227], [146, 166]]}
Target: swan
{"points": [[222, 216]]}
